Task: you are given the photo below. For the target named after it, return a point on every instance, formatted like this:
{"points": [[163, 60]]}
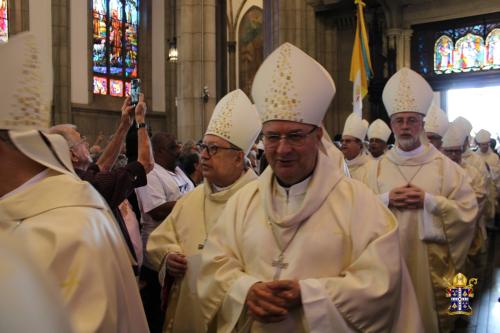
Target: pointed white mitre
{"points": [[483, 136], [355, 126], [24, 97], [236, 120], [436, 120], [464, 124], [379, 130], [407, 91], [25, 103], [290, 85], [454, 136]]}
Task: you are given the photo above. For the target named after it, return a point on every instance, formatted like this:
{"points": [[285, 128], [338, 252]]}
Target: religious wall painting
{"points": [[251, 47], [115, 44], [4, 22]]}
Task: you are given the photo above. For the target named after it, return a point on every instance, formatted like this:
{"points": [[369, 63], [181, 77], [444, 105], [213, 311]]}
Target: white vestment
{"points": [[67, 227], [434, 240], [345, 257], [184, 231], [358, 166], [29, 300]]}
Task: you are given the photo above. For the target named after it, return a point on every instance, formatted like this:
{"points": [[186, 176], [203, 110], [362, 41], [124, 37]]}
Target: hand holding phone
{"points": [[135, 90]]}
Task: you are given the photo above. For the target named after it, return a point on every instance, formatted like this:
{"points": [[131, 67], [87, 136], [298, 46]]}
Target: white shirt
{"points": [[163, 186]]}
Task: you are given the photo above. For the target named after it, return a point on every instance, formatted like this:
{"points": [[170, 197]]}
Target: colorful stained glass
{"points": [[492, 60], [443, 55], [115, 45], [131, 11], [100, 85], [127, 88], [469, 53], [4, 22], [116, 88]]}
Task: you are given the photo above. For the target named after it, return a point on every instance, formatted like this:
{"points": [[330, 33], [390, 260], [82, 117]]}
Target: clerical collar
{"points": [[411, 153], [295, 189], [216, 189], [32, 181]]}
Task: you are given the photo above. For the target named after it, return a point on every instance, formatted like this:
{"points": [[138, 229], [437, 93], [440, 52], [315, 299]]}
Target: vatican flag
{"points": [[361, 66]]}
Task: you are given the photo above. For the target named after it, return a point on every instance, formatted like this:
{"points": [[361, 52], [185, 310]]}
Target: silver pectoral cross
{"points": [[279, 264]]}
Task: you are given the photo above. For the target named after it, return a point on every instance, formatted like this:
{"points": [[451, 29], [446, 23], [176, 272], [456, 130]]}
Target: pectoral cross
{"points": [[279, 264]]}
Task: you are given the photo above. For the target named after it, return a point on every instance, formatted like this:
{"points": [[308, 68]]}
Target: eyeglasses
{"points": [[213, 148], [83, 139], [293, 138]]}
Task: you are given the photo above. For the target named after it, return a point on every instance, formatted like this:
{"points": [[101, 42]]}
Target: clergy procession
{"points": [[367, 234]]}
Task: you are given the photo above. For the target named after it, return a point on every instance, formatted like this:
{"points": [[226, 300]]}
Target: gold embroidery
{"points": [[28, 108], [282, 100], [405, 99], [221, 122]]}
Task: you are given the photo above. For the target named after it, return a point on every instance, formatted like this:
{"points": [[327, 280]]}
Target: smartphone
{"points": [[135, 90]]}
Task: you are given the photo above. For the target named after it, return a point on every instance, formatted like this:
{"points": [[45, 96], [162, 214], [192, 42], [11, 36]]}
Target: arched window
{"points": [[115, 45], [4, 22]]}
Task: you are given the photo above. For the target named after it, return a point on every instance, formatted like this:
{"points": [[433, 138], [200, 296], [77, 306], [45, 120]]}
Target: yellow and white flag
{"points": [[361, 66]]}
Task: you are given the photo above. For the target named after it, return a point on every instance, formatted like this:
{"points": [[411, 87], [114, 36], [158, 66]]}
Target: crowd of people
{"points": [[262, 225]]}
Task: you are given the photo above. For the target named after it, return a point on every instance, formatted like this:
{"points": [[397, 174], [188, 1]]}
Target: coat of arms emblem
{"points": [[460, 294]]}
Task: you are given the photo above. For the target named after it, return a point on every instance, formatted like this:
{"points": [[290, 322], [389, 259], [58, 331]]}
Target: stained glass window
{"points": [[469, 52], [4, 22], [115, 45], [493, 50]]}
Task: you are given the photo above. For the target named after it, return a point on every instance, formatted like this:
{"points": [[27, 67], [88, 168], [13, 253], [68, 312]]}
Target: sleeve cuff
{"points": [[430, 202], [320, 312], [139, 173], [384, 197], [234, 302]]}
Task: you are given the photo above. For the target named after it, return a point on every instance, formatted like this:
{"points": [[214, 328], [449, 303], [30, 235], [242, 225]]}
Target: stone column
{"points": [[61, 61], [406, 40], [394, 54], [231, 50], [195, 67]]}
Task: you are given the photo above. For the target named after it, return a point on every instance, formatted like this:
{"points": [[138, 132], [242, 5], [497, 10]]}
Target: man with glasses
{"points": [[115, 185], [430, 196], [174, 247], [62, 222], [303, 248]]}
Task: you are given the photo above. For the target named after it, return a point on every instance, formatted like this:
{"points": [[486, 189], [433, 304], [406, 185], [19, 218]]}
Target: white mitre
{"points": [[25, 101], [379, 130], [483, 136], [436, 121], [454, 136], [407, 91], [355, 126], [236, 120], [464, 124], [290, 85]]}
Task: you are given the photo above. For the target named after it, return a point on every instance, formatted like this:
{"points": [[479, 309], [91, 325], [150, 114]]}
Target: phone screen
{"points": [[135, 90]]}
